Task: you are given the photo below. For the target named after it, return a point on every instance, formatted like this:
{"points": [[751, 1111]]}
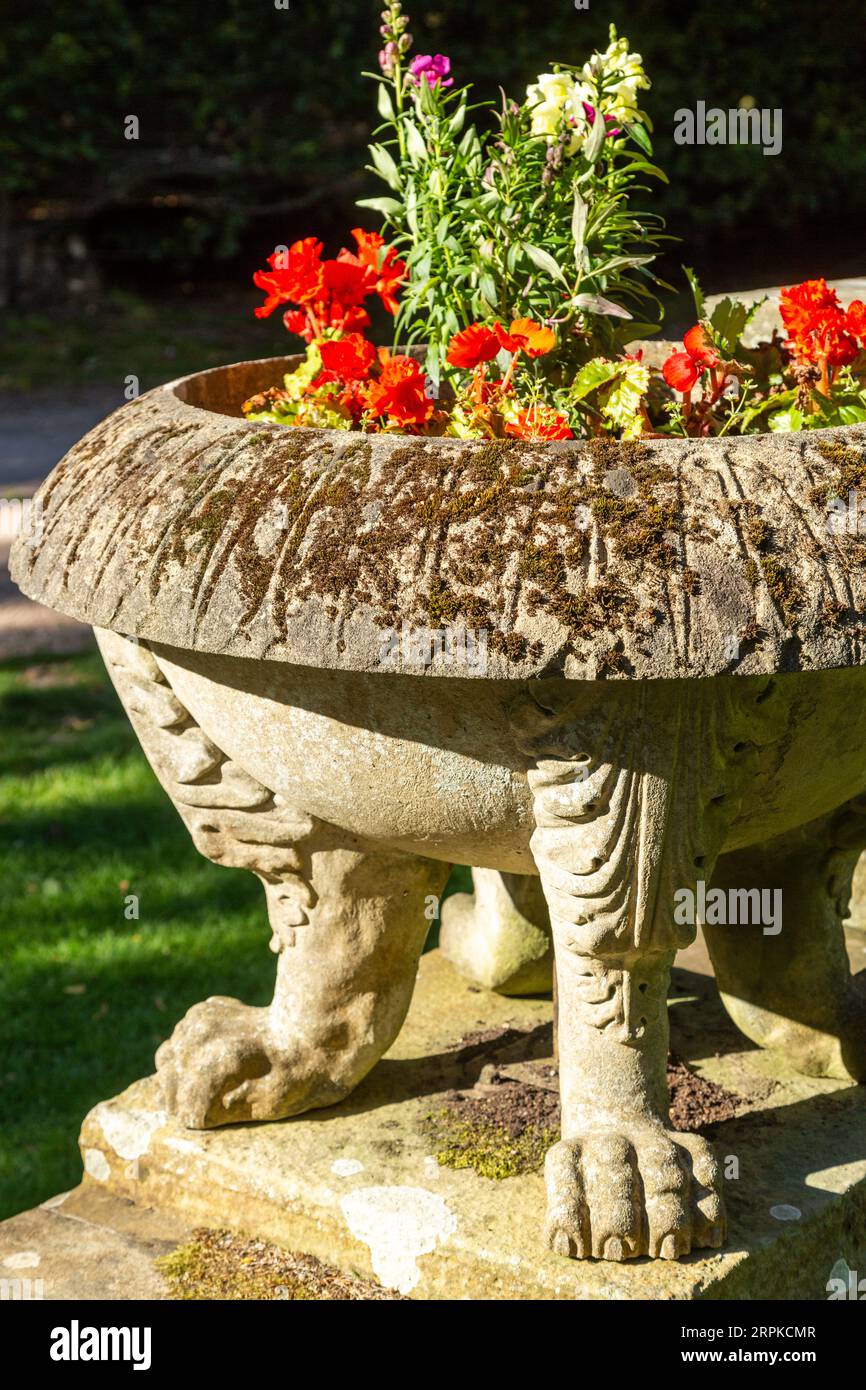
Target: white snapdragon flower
{"points": [[555, 101], [621, 100]]}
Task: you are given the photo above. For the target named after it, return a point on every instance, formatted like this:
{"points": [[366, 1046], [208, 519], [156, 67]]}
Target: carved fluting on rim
{"points": [[668, 559]]}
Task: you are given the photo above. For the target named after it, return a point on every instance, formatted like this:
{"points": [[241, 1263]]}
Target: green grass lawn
{"points": [[86, 995]]}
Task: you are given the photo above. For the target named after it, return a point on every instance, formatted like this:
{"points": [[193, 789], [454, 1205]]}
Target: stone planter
{"points": [[671, 692]]}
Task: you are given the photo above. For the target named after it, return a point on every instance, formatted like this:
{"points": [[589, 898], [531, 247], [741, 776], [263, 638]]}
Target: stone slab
{"points": [[359, 1185], [87, 1245]]}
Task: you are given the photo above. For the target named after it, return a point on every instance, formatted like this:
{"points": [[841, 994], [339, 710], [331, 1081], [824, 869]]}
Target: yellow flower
{"points": [[549, 98]]}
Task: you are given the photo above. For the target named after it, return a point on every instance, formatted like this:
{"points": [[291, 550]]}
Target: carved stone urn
{"points": [[644, 682]]}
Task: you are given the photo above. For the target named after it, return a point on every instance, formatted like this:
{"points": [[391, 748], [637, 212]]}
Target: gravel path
{"points": [[36, 430]]}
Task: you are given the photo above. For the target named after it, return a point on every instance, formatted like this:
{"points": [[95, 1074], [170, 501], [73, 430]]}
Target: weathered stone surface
{"points": [[88, 1245], [857, 906], [257, 568], [498, 936], [359, 1185], [178, 522]]}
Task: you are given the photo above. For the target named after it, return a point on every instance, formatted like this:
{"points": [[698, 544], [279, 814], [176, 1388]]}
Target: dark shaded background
{"points": [[254, 120]]}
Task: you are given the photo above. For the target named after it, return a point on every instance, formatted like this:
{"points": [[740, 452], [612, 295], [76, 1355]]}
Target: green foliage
{"points": [[532, 218]]}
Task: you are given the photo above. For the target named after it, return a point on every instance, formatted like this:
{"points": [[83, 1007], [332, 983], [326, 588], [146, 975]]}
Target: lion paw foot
{"points": [[222, 1065], [644, 1190]]}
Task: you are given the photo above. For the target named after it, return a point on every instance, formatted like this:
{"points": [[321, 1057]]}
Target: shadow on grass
{"points": [[87, 992]]}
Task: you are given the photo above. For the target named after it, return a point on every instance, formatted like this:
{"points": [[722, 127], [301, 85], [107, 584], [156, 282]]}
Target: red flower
{"points": [[346, 281], [682, 370], [296, 321], [855, 318], [699, 345], [296, 276], [385, 273], [818, 328], [472, 346], [349, 358], [539, 422], [525, 335], [835, 344], [400, 391], [330, 293]]}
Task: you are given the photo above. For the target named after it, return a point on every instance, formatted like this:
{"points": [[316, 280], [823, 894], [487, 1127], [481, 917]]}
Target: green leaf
{"points": [[594, 142], [753, 309], [385, 167], [455, 124], [580, 213], [544, 261], [728, 320], [596, 373], [469, 144], [384, 103], [786, 421], [415, 145], [697, 292], [597, 304], [487, 286], [640, 137], [621, 263], [386, 206], [784, 398]]}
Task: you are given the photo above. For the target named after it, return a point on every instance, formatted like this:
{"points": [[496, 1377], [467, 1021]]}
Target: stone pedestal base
{"points": [[361, 1186]]}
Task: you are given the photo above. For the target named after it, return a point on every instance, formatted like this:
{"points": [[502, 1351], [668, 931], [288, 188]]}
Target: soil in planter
{"points": [[504, 1125]]}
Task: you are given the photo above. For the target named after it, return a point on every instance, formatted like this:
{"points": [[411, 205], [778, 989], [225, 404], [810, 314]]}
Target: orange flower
{"points": [[400, 391], [539, 422], [525, 335], [472, 346]]}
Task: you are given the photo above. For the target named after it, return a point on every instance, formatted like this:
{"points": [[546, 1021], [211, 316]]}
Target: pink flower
{"points": [[388, 59], [433, 67], [590, 116]]}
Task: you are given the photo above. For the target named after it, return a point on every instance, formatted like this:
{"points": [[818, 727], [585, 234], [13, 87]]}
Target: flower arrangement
{"points": [[518, 274]]}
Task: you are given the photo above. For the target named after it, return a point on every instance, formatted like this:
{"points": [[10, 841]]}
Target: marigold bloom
{"points": [[295, 277], [472, 346], [384, 273]]}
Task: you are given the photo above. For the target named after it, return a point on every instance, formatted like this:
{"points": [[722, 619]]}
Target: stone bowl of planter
{"points": [[640, 673]]}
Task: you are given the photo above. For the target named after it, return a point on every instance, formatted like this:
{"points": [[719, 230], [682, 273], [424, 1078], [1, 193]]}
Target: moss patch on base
{"points": [[224, 1266], [500, 1130]]}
